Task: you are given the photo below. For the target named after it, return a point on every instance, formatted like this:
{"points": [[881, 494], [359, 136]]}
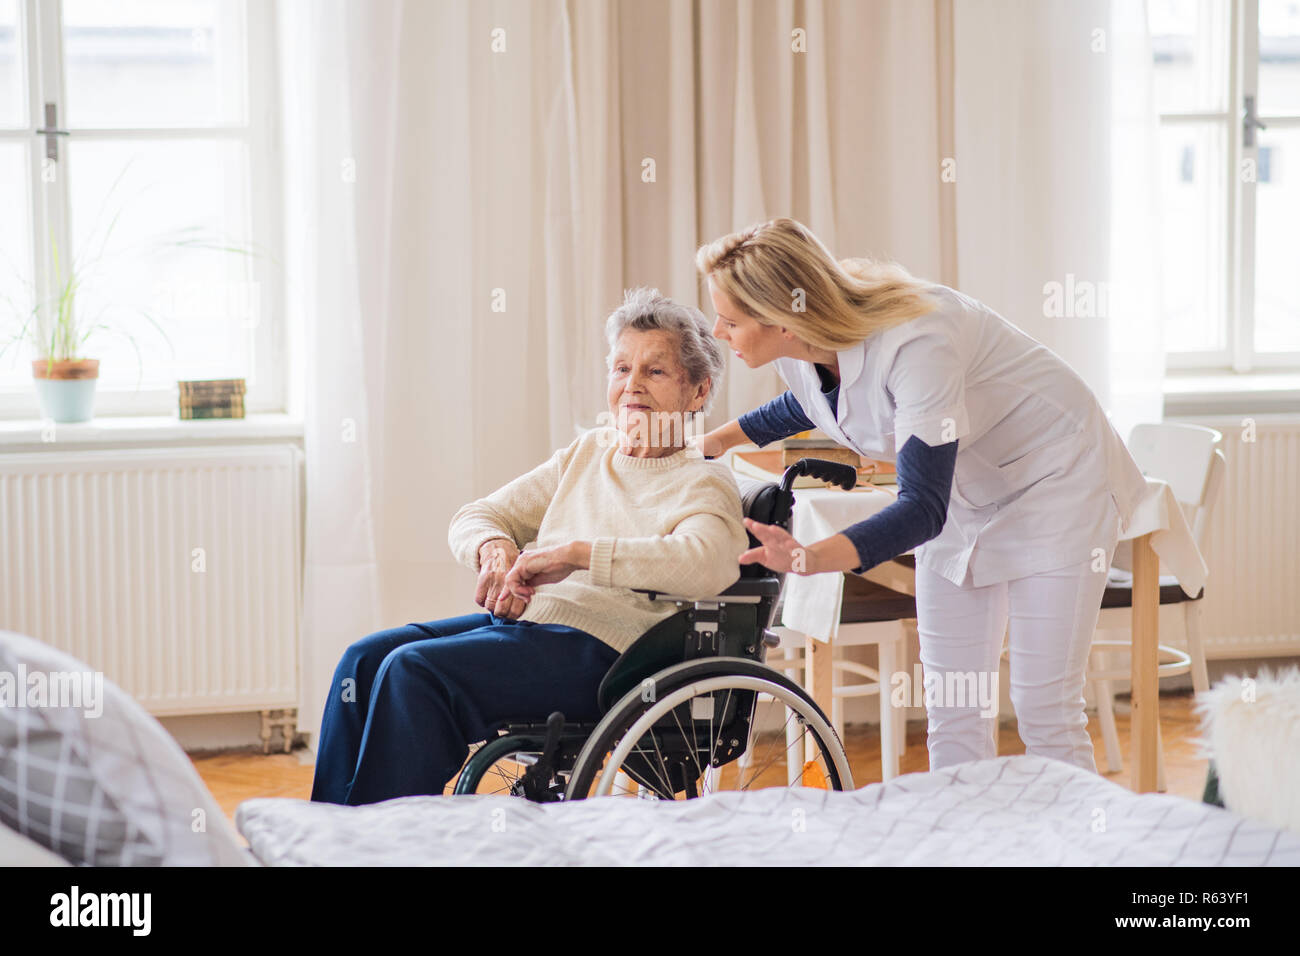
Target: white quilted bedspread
{"points": [[1010, 811]]}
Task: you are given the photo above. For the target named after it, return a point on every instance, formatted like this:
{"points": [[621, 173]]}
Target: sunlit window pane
{"points": [[1277, 242], [16, 296], [1194, 188], [145, 216], [1190, 40], [1279, 56], [13, 87], [154, 63]]}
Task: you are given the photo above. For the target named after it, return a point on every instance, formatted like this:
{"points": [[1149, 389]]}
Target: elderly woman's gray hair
{"points": [[700, 354]]}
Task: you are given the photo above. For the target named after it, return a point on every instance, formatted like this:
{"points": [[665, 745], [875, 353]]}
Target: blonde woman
{"points": [[1012, 482]]}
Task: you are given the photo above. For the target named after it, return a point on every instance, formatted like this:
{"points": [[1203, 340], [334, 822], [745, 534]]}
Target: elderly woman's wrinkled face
{"points": [[651, 397]]}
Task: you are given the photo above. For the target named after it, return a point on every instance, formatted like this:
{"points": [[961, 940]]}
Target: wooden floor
{"points": [[239, 776]]}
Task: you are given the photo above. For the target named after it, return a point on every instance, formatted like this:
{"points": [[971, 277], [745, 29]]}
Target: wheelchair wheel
{"points": [[681, 733], [493, 769]]}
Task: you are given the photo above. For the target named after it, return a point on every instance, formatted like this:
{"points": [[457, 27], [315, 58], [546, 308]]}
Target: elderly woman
{"points": [[629, 505]]}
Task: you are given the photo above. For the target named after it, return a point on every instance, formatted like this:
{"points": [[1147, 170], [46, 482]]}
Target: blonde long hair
{"points": [[781, 274]]}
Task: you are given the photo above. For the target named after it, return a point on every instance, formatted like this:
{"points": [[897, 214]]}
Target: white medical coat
{"points": [[1041, 476]]}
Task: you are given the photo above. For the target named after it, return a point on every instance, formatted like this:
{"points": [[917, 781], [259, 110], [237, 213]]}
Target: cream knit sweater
{"points": [[671, 524]]}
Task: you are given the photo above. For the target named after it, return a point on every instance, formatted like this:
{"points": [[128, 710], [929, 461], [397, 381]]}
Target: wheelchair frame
{"points": [[718, 644]]}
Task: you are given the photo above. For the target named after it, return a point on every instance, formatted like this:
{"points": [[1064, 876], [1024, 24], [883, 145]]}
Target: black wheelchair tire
{"points": [[625, 713]]}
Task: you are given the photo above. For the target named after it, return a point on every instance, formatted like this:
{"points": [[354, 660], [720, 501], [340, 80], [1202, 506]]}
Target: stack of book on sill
{"points": [[768, 465], [212, 398]]}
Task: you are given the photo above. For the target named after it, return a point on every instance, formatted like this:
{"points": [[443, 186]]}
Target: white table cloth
{"points": [[812, 602], [1160, 515]]}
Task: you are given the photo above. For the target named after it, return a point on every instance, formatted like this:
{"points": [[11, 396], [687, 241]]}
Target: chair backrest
{"points": [[1188, 458]]}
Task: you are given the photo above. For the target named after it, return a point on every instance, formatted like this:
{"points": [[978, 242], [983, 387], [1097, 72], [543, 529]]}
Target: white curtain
{"points": [[472, 185], [1137, 343], [1056, 185]]}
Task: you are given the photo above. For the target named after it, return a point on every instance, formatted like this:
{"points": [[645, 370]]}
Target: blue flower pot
{"points": [[66, 389]]}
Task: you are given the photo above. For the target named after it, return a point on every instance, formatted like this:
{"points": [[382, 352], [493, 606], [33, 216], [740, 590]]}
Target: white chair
{"points": [[1189, 459], [869, 614]]}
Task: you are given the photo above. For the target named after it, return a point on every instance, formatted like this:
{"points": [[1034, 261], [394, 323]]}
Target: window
{"points": [[1228, 92], [156, 188]]}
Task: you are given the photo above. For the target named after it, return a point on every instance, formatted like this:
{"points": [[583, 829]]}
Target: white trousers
{"points": [[1052, 618]]}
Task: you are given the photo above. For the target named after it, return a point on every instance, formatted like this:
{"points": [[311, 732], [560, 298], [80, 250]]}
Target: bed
{"points": [[1009, 811], [105, 785]]}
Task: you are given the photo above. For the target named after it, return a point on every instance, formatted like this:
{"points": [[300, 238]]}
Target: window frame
{"points": [[1239, 356], [40, 39]]}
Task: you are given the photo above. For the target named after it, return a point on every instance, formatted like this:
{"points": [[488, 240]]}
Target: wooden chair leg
{"points": [[1002, 649], [837, 711], [900, 725], [888, 665], [793, 738], [900, 733], [1196, 646], [1101, 689], [1160, 760], [906, 629]]}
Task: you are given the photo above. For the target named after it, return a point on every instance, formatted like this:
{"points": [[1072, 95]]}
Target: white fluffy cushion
{"points": [[105, 789], [1252, 728]]}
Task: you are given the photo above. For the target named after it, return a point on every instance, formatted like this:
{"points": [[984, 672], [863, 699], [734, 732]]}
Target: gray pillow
{"points": [[87, 774]]}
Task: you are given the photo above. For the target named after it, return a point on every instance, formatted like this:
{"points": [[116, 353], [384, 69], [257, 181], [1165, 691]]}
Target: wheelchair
{"points": [[679, 705]]}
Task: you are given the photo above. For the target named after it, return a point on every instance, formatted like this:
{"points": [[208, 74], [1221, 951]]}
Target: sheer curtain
{"points": [[469, 194], [1137, 345], [471, 186], [1056, 185]]}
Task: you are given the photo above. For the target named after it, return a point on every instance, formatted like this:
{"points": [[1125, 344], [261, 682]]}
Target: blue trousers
{"points": [[406, 703]]}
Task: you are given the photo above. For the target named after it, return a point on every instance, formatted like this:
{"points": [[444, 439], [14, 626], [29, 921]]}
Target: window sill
{"points": [[146, 431], [1191, 394]]}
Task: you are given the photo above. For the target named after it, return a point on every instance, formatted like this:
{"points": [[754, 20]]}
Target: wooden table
{"points": [[1145, 687], [1158, 526]]}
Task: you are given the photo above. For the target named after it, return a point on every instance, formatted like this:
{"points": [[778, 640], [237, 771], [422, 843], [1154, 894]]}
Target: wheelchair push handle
{"points": [[837, 473]]}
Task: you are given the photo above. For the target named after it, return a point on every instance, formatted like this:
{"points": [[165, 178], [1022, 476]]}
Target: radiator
{"points": [[176, 573], [1252, 544]]}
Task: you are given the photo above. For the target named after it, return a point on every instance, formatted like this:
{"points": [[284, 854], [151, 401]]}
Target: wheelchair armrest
{"points": [[745, 588], [754, 587]]}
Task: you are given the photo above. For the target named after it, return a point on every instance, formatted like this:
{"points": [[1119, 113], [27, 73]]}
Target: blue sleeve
{"points": [[924, 482], [779, 418]]}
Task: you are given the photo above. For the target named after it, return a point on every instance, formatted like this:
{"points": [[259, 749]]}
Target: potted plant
{"points": [[64, 376], [65, 381]]}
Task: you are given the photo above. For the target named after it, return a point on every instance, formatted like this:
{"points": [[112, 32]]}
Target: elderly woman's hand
{"points": [[532, 569], [495, 560]]}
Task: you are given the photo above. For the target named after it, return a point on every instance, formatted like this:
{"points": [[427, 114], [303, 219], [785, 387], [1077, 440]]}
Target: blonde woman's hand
{"points": [[778, 550], [496, 557], [705, 446]]}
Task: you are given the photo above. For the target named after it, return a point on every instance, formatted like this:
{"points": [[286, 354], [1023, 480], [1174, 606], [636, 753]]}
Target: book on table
{"points": [[770, 464]]}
